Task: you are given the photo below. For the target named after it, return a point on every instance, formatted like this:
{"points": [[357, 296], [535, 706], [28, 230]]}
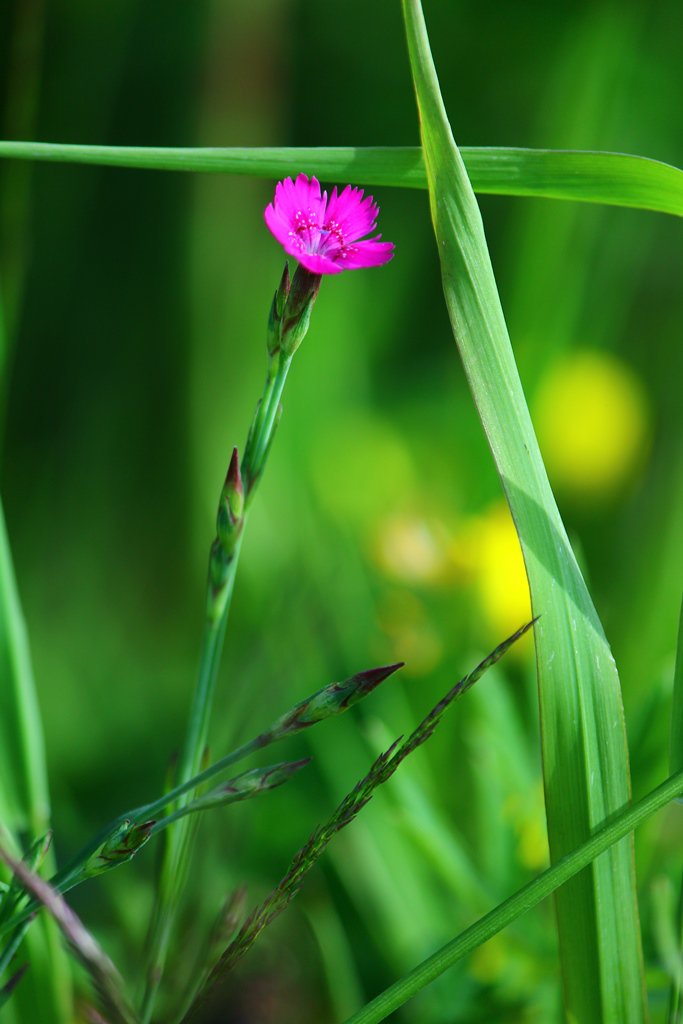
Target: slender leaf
{"points": [[24, 802], [585, 757], [675, 765], [676, 749], [24, 805], [522, 901], [617, 179]]}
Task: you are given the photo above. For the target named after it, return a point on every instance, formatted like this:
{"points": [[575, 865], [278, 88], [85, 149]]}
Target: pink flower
{"points": [[326, 235]]}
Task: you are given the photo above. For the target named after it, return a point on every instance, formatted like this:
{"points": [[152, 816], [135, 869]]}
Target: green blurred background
{"points": [[133, 354]]}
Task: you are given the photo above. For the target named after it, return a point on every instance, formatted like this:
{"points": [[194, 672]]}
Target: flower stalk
{"points": [[326, 236], [288, 323]]}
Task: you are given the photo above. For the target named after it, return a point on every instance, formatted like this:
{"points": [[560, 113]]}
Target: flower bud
{"points": [[331, 700], [297, 312], [122, 845], [229, 520], [248, 784]]}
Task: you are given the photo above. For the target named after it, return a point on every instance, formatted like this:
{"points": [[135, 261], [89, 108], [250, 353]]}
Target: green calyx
{"points": [[230, 517], [290, 311]]}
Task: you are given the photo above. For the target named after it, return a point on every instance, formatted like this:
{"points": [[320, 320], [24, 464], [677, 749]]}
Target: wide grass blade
{"points": [[616, 179], [675, 765], [24, 804], [519, 903], [676, 749], [585, 757]]}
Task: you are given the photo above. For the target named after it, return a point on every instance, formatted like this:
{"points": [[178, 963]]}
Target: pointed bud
{"points": [[233, 488], [122, 845], [332, 700], [249, 784], [276, 313], [229, 520]]}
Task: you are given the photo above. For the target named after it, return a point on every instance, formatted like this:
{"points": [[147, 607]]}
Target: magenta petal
{"points": [[354, 215], [319, 264], [325, 234], [371, 253], [277, 224], [293, 196]]}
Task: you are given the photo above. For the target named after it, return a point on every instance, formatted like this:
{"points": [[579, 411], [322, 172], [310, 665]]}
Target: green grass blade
{"points": [[24, 805], [23, 787], [675, 765], [584, 740], [616, 179], [676, 749], [519, 903]]}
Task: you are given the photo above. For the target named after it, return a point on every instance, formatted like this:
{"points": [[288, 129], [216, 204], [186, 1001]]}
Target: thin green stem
{"points": [[523, 900], [265, 424], [24, 799], [198, 725], [222, 572], [674, 1012], [150, 810], [23, 781]]}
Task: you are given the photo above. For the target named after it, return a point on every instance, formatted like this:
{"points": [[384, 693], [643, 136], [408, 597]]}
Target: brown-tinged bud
{"points": [[122, 845], [234, 487], [297, 313], [229, 520], [249, 784], [332, 700]]}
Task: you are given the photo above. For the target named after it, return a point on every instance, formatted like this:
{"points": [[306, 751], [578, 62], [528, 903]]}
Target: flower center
{"points": [[326, 241]]}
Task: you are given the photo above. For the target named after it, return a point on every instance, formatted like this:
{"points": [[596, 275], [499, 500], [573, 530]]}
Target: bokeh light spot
{"points": [[592, 418]]}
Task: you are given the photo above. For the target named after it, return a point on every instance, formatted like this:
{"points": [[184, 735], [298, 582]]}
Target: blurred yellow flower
{"points": [[592, 418], [411, 549], [489, 548]]}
